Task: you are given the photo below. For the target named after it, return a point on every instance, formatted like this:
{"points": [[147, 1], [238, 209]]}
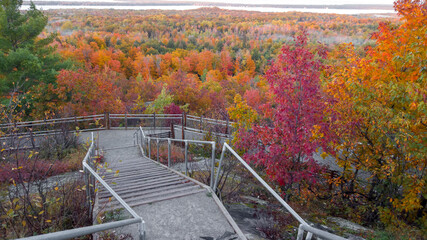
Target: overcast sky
{"points": [[299, 2]]}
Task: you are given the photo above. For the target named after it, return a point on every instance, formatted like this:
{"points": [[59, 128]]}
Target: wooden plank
{"points": [[150, 190], [139, 177], [142, 196], [132, 188], [149, 181], [134, 171], [115, 204]]}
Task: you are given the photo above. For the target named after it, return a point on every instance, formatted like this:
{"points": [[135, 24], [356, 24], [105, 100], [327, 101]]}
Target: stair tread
{"points": [[135, 186], [158, 199], [130, 200], [138, 176], [145, 192]]}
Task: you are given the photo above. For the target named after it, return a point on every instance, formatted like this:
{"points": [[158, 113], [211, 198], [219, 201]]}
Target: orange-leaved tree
{"points": [[89, 92], [382, 124]]}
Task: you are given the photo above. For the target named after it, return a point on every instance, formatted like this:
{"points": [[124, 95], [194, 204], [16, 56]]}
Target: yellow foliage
{"points": [[243, 115]]}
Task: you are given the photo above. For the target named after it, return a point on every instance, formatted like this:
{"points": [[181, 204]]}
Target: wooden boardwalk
{"points": [[172, 205], [142, 181]]}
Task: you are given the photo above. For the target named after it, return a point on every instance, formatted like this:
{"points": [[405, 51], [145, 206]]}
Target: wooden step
{"points": [[146, 181], [126, 165], [116, 204], [124, 182], [135, 185], [143, 197], [148, 191], [134, 172], [138, 176]]}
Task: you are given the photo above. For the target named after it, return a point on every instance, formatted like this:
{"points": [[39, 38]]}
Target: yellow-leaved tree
{"points": [[382, 124]]}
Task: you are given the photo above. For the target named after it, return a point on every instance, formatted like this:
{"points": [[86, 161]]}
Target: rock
{"points": [[226, 236], [352, 237], [251, 236], [247, 219], [322, 227], [257, 200], [347, 224]]}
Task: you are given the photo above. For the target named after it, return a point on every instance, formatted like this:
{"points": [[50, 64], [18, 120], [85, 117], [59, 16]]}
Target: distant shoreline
{"points": [[207, 4], [345, 9]]}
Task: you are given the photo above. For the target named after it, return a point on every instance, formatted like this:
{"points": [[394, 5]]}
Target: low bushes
{"points": [[31, 203], [36, 208]]}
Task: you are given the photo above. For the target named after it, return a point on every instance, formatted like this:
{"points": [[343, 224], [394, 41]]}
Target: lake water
{"points": [[190, 7]]}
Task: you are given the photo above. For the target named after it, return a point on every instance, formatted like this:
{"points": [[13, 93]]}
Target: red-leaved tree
{"points": [[293, 124]]}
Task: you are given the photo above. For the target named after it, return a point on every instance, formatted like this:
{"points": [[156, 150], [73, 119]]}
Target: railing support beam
{"points": [[169, 152], [157, 147], [186, 157], [212, 165]]}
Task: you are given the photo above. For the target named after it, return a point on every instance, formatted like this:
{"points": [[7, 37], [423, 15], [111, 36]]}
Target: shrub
{"points": [[36, 208]]}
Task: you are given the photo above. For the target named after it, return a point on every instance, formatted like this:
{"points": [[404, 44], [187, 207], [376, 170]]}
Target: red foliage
{"points": [[294, 125], [31, 170], [172, 109]]}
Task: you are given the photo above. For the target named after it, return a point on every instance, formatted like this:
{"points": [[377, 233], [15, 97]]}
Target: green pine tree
{"points": [[26, 61]]}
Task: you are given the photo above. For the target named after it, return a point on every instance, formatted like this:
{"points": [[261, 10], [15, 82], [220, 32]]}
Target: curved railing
{"points": [[145, 141], [31, 133]]}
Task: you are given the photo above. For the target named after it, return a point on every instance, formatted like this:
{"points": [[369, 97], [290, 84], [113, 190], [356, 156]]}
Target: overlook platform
{"points": [[172, 205]]}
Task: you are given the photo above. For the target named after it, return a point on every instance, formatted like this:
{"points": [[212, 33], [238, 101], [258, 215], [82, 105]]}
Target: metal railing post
{"points": [[142, 230], [169, 152], [219, 168], [33, 143], [186, 158], [149, 148], [158, 157], [109, 121], [126, 121], [86, 178], [226, 127], [300, 235], [146, 145], [212, 165], [183, 122]]}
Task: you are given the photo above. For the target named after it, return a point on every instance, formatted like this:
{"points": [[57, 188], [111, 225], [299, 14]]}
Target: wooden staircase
{"points": [[141, 181]]}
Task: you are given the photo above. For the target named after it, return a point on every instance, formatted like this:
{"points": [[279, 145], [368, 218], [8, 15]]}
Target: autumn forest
{"points": [[351, 87]]}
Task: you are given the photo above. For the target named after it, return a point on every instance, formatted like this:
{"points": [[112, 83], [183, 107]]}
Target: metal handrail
{"points": [[303, 224], [192, 117], [195, 130], [78, 232], [147, 140], [145, 115], [115, 195], [54, 121], [34, 125]]}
